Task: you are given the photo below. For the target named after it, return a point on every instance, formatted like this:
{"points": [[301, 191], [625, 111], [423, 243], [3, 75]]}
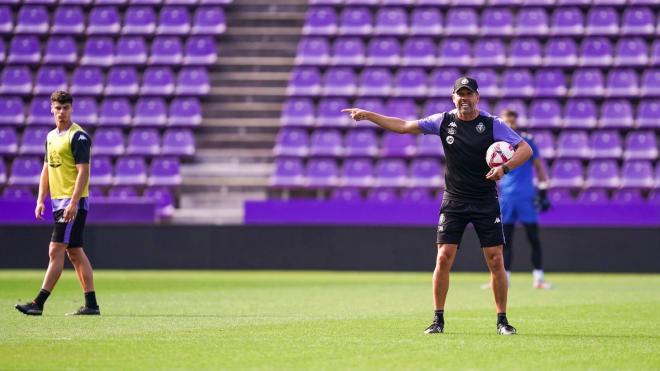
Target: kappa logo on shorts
{"points": [[441, 228], [497, 220]]}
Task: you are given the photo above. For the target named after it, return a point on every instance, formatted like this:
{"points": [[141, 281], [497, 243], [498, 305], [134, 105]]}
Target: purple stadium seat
{"points": [[32, 19], [655, 53], [8, 143], [517, 83], [40, 112], [532, 21], [130, 170], [145, 142], [606, 144], [488, 83], [549, 82], [631, 51], [593, 196], [580, 113], [566, 174], [596, 51], [98, 52], [322, 173], [164, 200], [403, 108], [297, 112], [525, 52], [320, 20], [622, 83], [561, 52], [209, 20], [560, 196], [25, 170], [637, 174], [627, 197], [426, 173], [3, 51], [654, 197], [587, 82], [437, 105], [657, 176], [391, 173], [16, 80], [108, 141], [166, 50], [391, 21], [361, 143], [6, 20], [381, 195], [616, 113], [190, 81], [101, 171], [103, 20], [375, 81], [3, 169], [68, 20], [419, 51], [49, 79], [410, 82], [11, 111], [139, 20], [416, 195], [304, 81], [292, 142], [349, 51], [313, 51], [461, 21], [326, 143], [651, 82], [457, 51], [648, 112], [398, 145], [115, 112], [200, 50], [545, 113], [178, 142], [60, 50], [130, 50], [567, 21], [96, 191], [87, 81], [24, 50], [429, 146], [641, 145], [123, 193], [357, 172], [573, 144], [442, 80], [110, 2], [369, 104], [362, 2], [545, 141], [488, 52], [288, 172], [122, 81], [497, 22], [150, 112], [356, 21], [426, 21], [85, 112], [638, 21], [602, 174], [329, 113], [18, 193], [76, 2], [185, 112], [602, 21], [160, 81], [339, 81], [383, 51], [173, 20], [164, 171]]}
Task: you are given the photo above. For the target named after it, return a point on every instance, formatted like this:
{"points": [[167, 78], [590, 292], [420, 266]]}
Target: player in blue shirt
{"points": [[519, 200]]}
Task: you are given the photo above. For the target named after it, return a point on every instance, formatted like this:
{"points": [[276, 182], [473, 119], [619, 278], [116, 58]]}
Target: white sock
{"points": [[508, 276], [537, 274]]}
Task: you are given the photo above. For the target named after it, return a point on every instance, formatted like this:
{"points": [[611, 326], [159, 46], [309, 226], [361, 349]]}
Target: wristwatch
{"points": [[506, 169]]}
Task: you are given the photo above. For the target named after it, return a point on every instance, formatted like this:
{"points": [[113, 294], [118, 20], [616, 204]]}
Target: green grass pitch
{"points": [[329, 320]]}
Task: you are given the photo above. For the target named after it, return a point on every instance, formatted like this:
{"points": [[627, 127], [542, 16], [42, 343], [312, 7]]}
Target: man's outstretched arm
{"points": [[388, 123]]}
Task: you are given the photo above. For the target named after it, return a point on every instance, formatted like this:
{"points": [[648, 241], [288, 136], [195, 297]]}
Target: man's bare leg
{"points": [[500, 285], [55, 266], [443, 264], [85, 275]]}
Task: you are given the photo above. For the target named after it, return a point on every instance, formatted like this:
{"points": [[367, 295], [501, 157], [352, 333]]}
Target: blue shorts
{"points": [[518, 209]]}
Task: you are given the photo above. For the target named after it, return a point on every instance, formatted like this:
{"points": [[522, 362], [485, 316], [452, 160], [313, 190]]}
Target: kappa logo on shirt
{"points": [[82, 137], [497, 220]]}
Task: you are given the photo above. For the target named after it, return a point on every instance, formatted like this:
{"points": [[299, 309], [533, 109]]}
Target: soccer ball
{"points": [[499, 153]]}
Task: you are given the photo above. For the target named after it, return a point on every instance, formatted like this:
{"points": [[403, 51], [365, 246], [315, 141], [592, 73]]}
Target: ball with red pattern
{"points": [[499, 153]]}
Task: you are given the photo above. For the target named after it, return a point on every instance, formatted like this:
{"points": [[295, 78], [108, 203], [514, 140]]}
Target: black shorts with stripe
{"points": [[69, 233], [485, 217]]}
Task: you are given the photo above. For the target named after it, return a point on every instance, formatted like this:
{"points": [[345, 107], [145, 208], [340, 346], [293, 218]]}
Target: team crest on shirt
{"points": [[449, 139], [481, 128], [54, 159]]}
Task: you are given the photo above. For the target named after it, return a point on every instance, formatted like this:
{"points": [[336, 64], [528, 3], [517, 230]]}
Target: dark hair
{"points": [[509, 112], [61, 97]]}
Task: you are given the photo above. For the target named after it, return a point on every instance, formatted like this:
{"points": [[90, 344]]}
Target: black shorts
{"points": [[69, 233], [484, 216]]}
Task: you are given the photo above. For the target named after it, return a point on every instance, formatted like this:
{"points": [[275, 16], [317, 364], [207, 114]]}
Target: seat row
{"points": [[107, 20], [120, 3], [360, 20], [483, 3], [106, 141], [151, 111], [120, 81]]}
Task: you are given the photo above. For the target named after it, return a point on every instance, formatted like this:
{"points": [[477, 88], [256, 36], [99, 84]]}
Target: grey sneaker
{"points": [[506, 329], [86, 311], [31, 309]]}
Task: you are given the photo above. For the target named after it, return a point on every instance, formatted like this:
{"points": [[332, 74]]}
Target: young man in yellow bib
{"points": [[66, 175]]}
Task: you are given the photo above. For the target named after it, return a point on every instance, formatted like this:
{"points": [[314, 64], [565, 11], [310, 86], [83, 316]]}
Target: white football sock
{"points": [[538, 275]]}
